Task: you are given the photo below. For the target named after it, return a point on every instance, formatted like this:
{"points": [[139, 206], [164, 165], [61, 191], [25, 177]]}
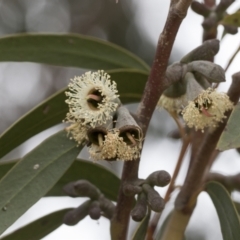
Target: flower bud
{"points": [[223, 5], [155, 201], [231, 29], [211, 71], [94, 210], [203, 82], [74, 216], [131, 190], [107, 207], [204, 52], [159, 178], [140, 209], [175, 72], [200, 8], [82, 188]]}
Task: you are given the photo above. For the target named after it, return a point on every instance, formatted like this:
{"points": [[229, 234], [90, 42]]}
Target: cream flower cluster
{"points": [[207, 110], [92, 100], [114, 147]]}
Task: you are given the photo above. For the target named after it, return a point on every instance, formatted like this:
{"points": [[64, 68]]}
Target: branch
{"points": [[186, 199], [155, 86]]}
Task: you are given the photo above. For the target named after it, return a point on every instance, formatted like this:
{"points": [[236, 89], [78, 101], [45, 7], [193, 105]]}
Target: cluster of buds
{"points": [[147, 196], [95, 207], [191, 93], [213, 16], [98, 119]]}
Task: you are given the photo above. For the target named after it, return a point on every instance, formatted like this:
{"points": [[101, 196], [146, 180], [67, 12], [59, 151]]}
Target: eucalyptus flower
{"points": [[92, 98], [113, 147], [77, 131], [207, 110]]}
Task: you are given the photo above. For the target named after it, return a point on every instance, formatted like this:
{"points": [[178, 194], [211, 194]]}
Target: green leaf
{"points": [[69, 50], [232, 19], [226, 211], [230, 137], [105, 180], [142, 228], [33, 176], [39, 228], [162, 228], [130, 84]]}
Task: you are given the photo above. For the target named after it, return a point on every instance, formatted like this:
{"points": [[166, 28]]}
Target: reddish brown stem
{"points": [[155, 86]]}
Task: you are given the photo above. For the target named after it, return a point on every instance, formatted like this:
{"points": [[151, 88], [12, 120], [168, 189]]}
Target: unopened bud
{"points": [[155, 201], [175, 72], [201, 80], [223, 5], [159, 178], [211, 71], [205, 52], [82, 188], [200, 8], [94, 210], [107, 207], [74, 216], [231, 29], [140, 209], [131, 190]]}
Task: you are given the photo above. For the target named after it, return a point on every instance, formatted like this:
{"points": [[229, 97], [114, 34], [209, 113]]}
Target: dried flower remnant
{"points": [[207, 110], [92, 98]]}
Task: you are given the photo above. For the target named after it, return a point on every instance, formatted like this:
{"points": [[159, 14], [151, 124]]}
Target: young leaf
{"points": [[33, 176], [230, 137], [39, 228], [232, 19], [53, 110], [142, 228], [226, 211], [69, 50]]}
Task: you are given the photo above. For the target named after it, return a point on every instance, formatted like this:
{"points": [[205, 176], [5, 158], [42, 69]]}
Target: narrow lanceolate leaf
{"points": [[130, 84], [142, 228], [33, 176], [232, 19], [107, 182], [230, 137], [39, 228], [226, 211], [69, 50]]}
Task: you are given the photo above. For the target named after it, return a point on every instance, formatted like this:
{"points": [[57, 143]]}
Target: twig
{"points": [[155, 86]]}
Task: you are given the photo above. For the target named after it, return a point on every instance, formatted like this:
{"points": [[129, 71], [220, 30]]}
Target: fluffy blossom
{"points": [[92, 98], [207, 110], [78, 132], [114, 147]]}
